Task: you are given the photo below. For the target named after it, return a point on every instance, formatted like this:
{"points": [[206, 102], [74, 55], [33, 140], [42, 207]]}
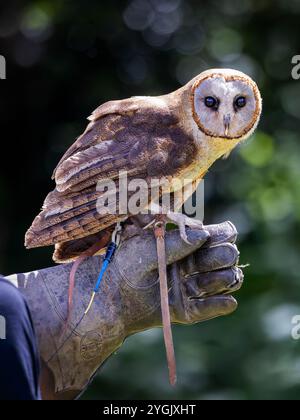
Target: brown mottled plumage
{"points": [[149, 137]]}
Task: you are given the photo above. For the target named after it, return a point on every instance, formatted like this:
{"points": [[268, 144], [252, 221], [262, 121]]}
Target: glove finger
{"points": [[209, 259], [223, 232], [199, 310], [214, 283], [138, 255], [177, 248]]}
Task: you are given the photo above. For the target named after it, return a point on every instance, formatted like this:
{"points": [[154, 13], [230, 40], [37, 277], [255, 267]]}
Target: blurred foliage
{"points": [[64, 59]]}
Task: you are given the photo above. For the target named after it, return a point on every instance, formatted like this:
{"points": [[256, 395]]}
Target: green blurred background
{"points": [[64, 58]]}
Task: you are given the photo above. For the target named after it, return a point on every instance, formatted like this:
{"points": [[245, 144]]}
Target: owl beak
{"points": [[227, 120]]}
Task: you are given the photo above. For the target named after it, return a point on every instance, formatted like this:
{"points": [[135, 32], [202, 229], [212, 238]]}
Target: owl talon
{"points": [[182, 221], [183, 234]]}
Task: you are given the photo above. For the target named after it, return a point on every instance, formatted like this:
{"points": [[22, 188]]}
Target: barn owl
{"points": [[180, 134]]}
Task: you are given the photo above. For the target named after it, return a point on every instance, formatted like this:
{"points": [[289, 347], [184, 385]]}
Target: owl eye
{"points": [[211, 102], [240, 102]]}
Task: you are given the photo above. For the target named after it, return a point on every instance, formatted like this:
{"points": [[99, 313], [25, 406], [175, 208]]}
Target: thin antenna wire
{"points": [[111, 249]]}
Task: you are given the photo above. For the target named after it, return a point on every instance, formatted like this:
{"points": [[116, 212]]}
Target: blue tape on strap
{"points": [[111, 249]]}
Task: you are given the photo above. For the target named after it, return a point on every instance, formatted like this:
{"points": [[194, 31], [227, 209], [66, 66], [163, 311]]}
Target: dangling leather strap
{"points": [[159, 232]]}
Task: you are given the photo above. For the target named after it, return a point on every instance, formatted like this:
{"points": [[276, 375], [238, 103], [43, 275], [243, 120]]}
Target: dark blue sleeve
{"points": [[19, 358]]}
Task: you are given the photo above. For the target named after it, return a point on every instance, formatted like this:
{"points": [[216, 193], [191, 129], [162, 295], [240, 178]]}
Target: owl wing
{"points": [[139, 135]]}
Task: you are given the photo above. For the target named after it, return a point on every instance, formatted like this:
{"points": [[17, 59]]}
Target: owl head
{"points": [[226, 104]]}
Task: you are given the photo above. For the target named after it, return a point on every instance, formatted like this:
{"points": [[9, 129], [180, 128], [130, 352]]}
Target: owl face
{"points": [[226, 104]]}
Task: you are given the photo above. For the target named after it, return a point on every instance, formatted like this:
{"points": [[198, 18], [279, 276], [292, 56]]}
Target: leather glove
{"points": [[202, 276]]}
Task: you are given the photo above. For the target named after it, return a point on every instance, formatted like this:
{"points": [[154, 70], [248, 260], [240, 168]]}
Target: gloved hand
{"points": [[202, 277]]}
